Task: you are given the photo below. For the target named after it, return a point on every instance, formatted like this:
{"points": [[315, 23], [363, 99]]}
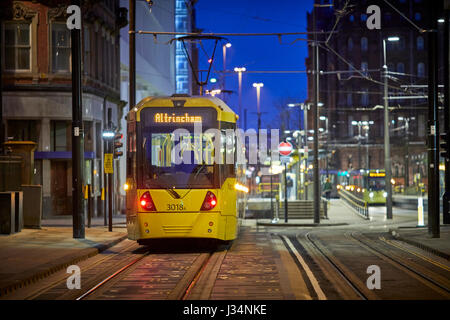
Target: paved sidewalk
{"points": [[419, 237], [35, 253], [338, 215]]}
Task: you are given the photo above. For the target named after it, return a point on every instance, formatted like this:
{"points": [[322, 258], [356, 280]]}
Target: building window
{"points": [[364, 44], [421, 69], [58, 135], [23, 130], [418, 16], [420, 43], [351, 18], [401, 67], [181, 63], [350, 44], [365, 97], [17, 46], [349, 99], [60, 48], [364, 68], [363, 17]]}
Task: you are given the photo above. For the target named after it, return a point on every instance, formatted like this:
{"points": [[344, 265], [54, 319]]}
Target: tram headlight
{"points": [[371, 195], [210, 201]]}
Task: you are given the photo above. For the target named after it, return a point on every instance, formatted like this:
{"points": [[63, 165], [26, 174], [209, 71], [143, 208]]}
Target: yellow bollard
{"points": [[103, 194], [86, 192]]}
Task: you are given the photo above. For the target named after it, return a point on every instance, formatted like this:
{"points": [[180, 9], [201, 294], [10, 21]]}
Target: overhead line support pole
{"points": [[77, 135], [446, 198], [316, 124], [433, 128]]}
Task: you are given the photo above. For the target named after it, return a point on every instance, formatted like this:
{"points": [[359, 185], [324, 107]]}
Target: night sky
{"points": [[258, 53]]}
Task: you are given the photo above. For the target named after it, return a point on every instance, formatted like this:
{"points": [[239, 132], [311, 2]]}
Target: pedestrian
{"points": [[327, 189], [290, 184]]}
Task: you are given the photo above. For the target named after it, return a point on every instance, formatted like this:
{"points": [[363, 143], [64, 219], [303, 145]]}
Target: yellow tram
{"points": [[180, 182]]}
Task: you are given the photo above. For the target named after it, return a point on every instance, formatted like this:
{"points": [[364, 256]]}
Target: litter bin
{"points": [[32, 206], [7, 212]]}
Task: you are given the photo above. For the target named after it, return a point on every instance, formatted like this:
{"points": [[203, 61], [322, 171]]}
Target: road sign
{"points": [[285, 148], [108, 163]]}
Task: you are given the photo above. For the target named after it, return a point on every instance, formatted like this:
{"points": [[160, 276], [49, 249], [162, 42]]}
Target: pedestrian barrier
{"points": [[359, 205]]}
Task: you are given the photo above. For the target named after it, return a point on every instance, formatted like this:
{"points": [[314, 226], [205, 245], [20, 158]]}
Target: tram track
{"points": [[413, 268], [349, 278], [196, 283], [345, 274]]}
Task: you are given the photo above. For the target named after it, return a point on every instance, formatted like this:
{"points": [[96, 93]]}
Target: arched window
{"points": [[421, 69], [364, 44], [420, 43], [350, 44], [400, 67]]}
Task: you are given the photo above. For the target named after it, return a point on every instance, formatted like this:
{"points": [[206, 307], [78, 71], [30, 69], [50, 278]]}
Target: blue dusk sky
{"points": [[257, 53]]}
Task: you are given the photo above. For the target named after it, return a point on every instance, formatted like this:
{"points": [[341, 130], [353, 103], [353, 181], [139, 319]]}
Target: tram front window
{"points": [[183, 162], [377, 184]]}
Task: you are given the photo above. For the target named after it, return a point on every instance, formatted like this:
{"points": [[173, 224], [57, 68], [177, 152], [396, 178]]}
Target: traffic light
{"points": [[444, 152], [117, 145]]}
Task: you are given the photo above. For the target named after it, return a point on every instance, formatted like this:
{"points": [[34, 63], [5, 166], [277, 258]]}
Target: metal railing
{"points": [[359, 205]]}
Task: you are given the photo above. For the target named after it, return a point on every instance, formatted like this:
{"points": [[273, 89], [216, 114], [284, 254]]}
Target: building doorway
{"points": [[60, 200]]}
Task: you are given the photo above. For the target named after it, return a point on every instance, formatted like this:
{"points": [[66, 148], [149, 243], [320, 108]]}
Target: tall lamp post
{"points": [[224, 52], [323, 118], [239, 71], [258, 92], [387, 151]]}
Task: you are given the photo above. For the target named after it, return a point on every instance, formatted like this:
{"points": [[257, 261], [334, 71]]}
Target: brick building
{"points": [[37, 104], [351, 86]]}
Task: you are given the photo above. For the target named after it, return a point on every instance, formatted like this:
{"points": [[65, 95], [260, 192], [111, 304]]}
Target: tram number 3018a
{"points": [[175, 207]]}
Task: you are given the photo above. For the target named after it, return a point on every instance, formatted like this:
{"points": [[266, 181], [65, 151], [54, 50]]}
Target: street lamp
{"points": [[258, 88], [406, 119], [387, 151], [213, 92], [239, 71], [364, 125], [224, 51]]}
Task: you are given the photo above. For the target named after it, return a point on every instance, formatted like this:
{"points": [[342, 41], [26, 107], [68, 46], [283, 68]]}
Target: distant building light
{"points": [[213, 80], [393, 39]]}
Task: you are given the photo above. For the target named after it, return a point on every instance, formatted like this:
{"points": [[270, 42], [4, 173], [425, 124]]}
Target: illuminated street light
{"points": [[213, 92], [393, 39], [387, 150], [224, 51], [239, 71], [258, 88]]}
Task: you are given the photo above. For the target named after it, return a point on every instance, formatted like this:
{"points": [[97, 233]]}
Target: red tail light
{"points": [[210, 201], [146, 202]]}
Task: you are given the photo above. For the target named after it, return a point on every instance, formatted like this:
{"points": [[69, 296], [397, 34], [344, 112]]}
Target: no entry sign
{"points": [[285, 148]]}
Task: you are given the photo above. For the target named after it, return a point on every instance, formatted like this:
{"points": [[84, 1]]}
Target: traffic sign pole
{"points": [[285, 194], [285, 149]]}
